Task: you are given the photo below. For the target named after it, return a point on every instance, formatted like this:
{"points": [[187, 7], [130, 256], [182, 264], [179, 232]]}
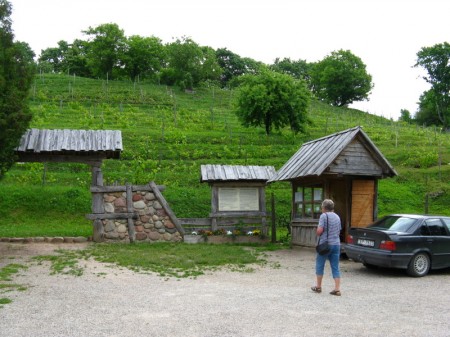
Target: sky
{"points": [[385, 34]]}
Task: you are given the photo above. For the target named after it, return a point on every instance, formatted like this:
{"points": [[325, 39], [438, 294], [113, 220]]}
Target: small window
{"points": [[308, 202]]}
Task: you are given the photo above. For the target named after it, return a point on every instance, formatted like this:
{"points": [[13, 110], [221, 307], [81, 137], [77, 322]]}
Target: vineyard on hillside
{"points": [[168, 133]]}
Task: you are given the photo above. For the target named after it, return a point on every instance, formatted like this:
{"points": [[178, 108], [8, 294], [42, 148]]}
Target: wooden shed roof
{"points": [[316, 157], [212, 173], [87, 144]]}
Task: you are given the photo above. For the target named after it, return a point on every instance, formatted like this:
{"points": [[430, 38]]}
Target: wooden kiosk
{"points": [[237, 194], [344, 167]]}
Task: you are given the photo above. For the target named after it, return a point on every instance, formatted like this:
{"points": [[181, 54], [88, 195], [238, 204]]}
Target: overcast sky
{"points": [[385, 34]]}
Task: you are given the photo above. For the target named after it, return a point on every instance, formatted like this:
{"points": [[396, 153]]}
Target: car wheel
{"points": [[419, 265]]}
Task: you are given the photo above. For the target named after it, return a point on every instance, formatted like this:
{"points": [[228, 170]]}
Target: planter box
{"points": [[194, 239], [236, 239]]}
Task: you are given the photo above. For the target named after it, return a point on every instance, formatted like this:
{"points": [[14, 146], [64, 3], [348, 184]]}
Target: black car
{"points": [[416, 243]]}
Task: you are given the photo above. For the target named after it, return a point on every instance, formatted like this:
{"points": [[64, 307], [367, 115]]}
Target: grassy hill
{"points": [[167, 134]]}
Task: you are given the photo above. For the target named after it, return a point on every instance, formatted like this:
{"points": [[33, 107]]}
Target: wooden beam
{"points": [[134, 188], [166, 207], [130, 222]]}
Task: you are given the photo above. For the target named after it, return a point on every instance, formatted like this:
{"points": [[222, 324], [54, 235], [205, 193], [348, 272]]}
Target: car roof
{"points": [[420, 216]]}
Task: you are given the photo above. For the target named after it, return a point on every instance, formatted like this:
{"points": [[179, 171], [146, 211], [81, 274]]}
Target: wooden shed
{"points": [[238, 193], [344, 167]]}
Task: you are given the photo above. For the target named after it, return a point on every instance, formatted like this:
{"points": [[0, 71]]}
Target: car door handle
{"points": [[430, 240]]}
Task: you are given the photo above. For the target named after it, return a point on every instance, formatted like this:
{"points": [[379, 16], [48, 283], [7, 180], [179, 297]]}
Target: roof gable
{"points": [[333, 155]]}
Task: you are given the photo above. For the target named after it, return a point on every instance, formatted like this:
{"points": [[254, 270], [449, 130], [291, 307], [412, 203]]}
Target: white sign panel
{"points": [[238, 199]]}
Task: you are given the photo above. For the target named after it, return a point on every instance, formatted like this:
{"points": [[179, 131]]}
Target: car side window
{"points": [[435, 227], [447, 222]]}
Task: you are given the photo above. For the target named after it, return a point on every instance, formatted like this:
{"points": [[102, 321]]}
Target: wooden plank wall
{"points": [[304, 234]]}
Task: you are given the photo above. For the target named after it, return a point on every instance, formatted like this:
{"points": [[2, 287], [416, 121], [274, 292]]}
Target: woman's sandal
{"points": [[335, 293], [316, 289]]}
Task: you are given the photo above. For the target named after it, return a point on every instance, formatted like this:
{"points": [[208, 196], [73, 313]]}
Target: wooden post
{"points": [[130, 222], [274, 228], [97, 203]]}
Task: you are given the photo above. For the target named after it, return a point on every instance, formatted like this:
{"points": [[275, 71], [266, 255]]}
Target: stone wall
{"points": [[151, 225]]}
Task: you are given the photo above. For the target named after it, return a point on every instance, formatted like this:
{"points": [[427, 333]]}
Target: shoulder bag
{"points": [[323, 248]]}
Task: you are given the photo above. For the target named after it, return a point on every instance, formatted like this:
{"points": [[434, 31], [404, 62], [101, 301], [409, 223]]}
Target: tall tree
{"points": [[436, 61], [53, 58], [185, 62], [106, 48], [144, 56], [405, 116], [273, 100], [16, 73], [341, 78], [426, 114], [298, 69]]}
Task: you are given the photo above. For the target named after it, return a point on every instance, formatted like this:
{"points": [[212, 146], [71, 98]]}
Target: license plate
{"points": [[367, 243]]}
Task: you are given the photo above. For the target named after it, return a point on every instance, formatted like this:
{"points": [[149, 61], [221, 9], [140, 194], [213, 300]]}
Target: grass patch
{"points": [[165, 259], [6, 276], [65, 262], [176, 260]]}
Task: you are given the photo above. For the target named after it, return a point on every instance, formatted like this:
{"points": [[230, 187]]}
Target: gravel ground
{"points": [[274, 300]]}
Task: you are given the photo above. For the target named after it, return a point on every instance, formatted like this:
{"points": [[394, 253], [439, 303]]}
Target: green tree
{"points": [[426, 114], [272, 100], [210, 70], [144, 56], [76, 59], [105, 50], [340, 79], [405, 116], [190, 64], [436, 61], [233, 66], [298, 69], [53, 58], [16, 72], [184, 66]]}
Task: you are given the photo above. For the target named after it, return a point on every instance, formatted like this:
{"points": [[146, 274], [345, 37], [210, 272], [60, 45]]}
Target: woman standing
{"points": [[329, 225]]}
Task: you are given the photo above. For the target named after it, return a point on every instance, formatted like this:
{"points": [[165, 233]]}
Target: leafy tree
{"points": [[53, 58], [189, 64], [273, 100], [298, 69], [16, 73], [426, 114], [436, 61], [405, 116], [341, 79], [210, 70], [184, 66], [233, 66], [76, 59], [144, 56], [106, 48]]}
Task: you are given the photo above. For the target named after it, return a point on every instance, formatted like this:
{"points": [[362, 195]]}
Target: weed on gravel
{"points": [[6, 277], [177, 260]]}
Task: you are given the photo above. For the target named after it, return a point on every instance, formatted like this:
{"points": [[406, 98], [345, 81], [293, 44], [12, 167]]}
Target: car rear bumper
{"points": [[377, 257]]}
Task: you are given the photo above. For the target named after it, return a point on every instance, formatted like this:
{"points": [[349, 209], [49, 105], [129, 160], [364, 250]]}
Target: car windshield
{"points": [[395, 223]]}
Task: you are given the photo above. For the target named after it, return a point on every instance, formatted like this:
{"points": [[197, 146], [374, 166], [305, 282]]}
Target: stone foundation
{"points": [[152, 224]]}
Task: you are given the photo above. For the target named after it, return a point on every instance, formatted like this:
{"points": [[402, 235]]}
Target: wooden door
{"points": [[363, 192]]}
